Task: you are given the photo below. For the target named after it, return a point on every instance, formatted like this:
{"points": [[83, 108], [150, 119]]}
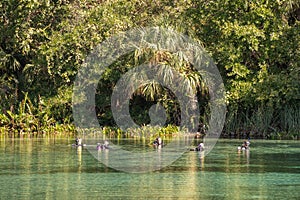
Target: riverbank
{"points": [[150, 132]]}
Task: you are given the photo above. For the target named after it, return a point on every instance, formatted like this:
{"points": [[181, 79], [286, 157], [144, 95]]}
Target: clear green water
{"points": [[52, 169]]}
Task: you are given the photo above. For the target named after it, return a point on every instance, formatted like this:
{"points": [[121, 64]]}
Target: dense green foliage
{"points": [[255, 45]]}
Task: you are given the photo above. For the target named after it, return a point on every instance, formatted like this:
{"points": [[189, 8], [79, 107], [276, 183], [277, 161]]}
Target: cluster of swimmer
{"points": [[157, 142], [103, 146], [78, 142]]}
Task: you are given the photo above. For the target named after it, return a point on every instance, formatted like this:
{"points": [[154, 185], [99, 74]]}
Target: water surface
{"points": [[51, 169]]}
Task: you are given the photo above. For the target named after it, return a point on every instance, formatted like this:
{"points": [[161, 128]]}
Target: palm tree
{"points": [[155, 65]]}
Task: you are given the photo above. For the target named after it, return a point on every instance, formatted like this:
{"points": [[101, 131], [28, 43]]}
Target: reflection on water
{"points": [[49, 168]]}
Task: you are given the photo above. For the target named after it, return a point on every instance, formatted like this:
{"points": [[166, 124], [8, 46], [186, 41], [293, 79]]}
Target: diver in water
{"points": [[99, 146], [157, 141], [106, 144], [245, 145], [78, 141], [200, 147]]}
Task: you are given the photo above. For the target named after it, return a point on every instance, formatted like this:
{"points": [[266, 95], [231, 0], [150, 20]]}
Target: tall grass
{"points": [[264, 122], [290, 120]]}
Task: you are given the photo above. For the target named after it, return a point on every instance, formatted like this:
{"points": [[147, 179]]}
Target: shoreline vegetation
{"points": [[148, 133], [255, 46]]}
